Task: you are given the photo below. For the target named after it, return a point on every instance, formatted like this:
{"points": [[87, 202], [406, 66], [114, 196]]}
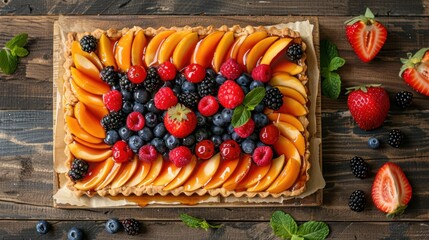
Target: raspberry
{"points": [[231, 69], [180, 156], [208, 106], [148, 153], [113, 100], [230, 94], [195, 73], [262, 155], [230, 150], [165, 98], [204, 149], [269, 134], [167, 71], [262, 73], [246, 129], [121, 152], [135, 121], [137, 74]]}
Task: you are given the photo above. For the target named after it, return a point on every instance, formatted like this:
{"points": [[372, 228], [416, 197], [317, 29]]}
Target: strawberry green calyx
{"points": [[412, 60], [179, 112], [398, 211], [361, 87], [368, 18]]}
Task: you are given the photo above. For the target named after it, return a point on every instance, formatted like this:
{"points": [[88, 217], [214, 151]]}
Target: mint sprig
{"points": [[284, 226], [330, 62], [194, 222], [242, 113], [11, 51]]}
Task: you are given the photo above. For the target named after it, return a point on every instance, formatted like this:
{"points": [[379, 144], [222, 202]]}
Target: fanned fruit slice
{"points": [[91, 85], [110, 176], [137, 49], [79, 132], [222, 49], [293, 134], [290, 92], [150, 57], [96, 175], [286, 80], [275, 169], [168, 172], [203, 173], [183, 52], [233, 50], [257, 51], [88, 121], [275, 49], [284, 117], [154, 171], [92, 145], [141, 172], [75, 48], [290, 106], [287, 177], [167, 48], [105, 51], [285, 66], [204, 51], [240, 172], [86, 66], [89, 154], [254, 175], [127, 171], [123, 51], [286, 147], [224, 171], [183, 175], [86, 97], [248, 44]]}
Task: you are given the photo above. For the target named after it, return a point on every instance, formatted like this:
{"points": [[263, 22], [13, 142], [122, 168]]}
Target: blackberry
{"points": [[131, 226], [109, 75], [126, 84], [78, 169], [273, 99], [395, 138], [113, 121], [294, 52], [88, 43], [152, 82], [207, 87], [357, 201], [359, 167], [190, 100], [404, 99]]}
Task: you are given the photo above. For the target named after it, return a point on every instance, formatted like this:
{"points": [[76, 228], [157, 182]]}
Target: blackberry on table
{"points": [[359, 167], [131, 226], [357, 201], [294, 52], [126, 84], [207, 87], [88, 43], [395, 138], [190, 100], [113, 121], [78, 169], [153, 82], [109, 76], [404, 99], [273, 99]]}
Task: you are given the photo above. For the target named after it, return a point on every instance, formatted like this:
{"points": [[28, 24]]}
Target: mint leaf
{"points": [[283, 225], [329, 63], [336, 63], [8, 61], [19, 51], [327, 52], [313, 230], [254, 97], [296, 237], [194, 222], [331, 85], [240, 116], [19, 40]]}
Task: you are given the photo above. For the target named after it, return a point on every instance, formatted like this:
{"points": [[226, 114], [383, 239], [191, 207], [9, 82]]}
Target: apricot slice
{"points": [[141, 172], [286, 80], [224, 171], [110, 176], [275, 169], [89, 154], [99, 112], [257, 51], [154, 171], [240, 172], [92, 145], [255, 174], [88, 121], [286, 66], [168, 173], [137, 49], [248, 44], [183, 175], [86, 66], [96, 175], [127, 171], [152, 48], [202, 174], [87, 98], [284, 117], [233, 50], [204, 51], [123, 51], [290, 92], [105, 51], [293, 107], [222, 49], [183, 52], [275, 49], [167, 48], [75, 48], [293, 134], [286, 147], [89, 84], [79, 132], [287, 177]]}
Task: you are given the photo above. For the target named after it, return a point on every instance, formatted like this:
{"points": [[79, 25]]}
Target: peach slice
{"points": [[153, 173], [168, 172], [89, 154], [86, 66], [257, 51], [224, 171], [92, 145], [275, 49], [75, 48], [88, 121], [96, 175], [222, 49], [183, 52], [240, 172], [202, 174], [137, 49], [152, 48], [167, 48], [79, 132], [123, 51], [105, 51], [204, 51], [275, 169], [286, 66], [127, 171], [87, 98], [287, 177], [293, 107], [284, 117], [248, 44], [286, 147], [110, 176], [89, 84], [286, 80], [293, 134], [141, 172], [254, 176], [99, 112], [233, 50], [183, 175], [290, 92]]}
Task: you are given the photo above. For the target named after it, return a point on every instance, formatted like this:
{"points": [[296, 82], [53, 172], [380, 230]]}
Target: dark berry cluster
{"points": [[131, 226], [395, 138], [78, 169], [404, 99], [295, 52], [88, 43], [359, 167], [357, 201], [273, 99]]}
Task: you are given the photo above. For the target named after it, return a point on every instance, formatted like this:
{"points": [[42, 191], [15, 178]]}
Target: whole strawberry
{"points": [[415, 71], [180, 121], [366, 35], [368, 105]]}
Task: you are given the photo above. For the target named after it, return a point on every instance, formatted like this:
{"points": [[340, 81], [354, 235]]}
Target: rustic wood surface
{"points": [[26, 127]]}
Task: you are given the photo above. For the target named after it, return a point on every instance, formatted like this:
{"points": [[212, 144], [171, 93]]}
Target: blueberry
{"points": [[43, 227], [245, 89], [150, 105], [75, 234], [125, 133], [236, 138], [180, 79], [201, 120], [159, 145], [188, 87], [166, 135], [373, 143], [248, 146], [151, 119], [220, 79], [126, 96], [255, 84], [230, 129], [261, 120], [217, 140], [145, 134], [159, 130], [227, 115], [127, 107], [135, 143], [210, 72], [172, 142], [141, 96], [188, 140], [259, 108], [112, 136], [244, 79], [113, 225], [216, 130], [201, 134], [138, 107], [218, 120]]}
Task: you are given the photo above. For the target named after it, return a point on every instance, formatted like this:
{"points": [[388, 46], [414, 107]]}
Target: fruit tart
{"points": [[200, 111]]}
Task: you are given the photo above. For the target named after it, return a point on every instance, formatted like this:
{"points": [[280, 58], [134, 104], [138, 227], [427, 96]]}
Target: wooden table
{"points": [[26, 127]]}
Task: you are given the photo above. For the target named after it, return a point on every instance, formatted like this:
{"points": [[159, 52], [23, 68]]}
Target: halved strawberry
{"points": [[365, 35], [391, 190], [415, 71]]}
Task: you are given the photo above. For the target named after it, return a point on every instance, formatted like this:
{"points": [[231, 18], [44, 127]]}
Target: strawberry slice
{"points": [[365, 35], [391, 190], [415, 71]]}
